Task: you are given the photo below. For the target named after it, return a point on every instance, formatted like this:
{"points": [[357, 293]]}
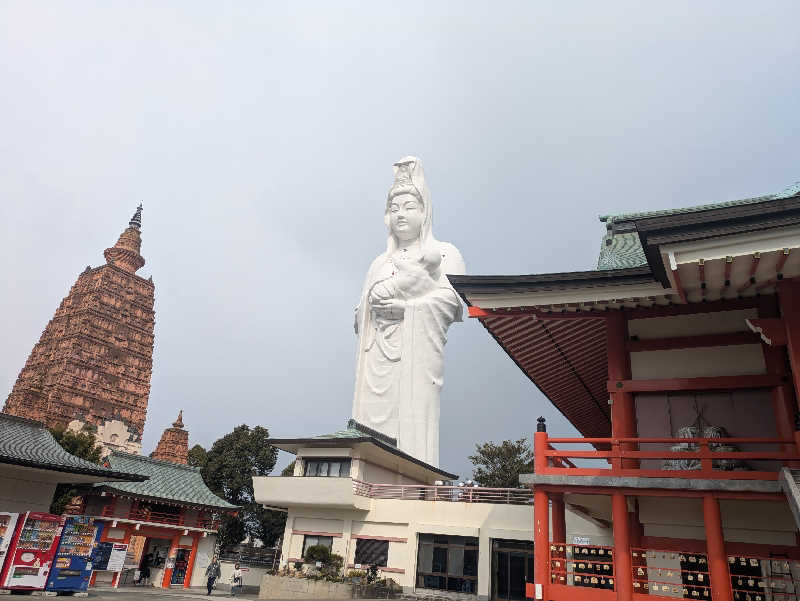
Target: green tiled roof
{"points": [[28, 443], [356, 430], [169, 481], [679, 211], [622, 250]]}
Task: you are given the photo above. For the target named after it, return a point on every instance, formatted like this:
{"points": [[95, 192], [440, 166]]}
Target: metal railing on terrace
{"points": [[455, 494], [711, 458]]}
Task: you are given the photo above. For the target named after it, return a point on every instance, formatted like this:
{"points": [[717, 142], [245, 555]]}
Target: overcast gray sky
{"points": [[260, 137]]}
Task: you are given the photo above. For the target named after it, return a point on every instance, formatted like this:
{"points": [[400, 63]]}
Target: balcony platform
{"points": [[285, 491]]}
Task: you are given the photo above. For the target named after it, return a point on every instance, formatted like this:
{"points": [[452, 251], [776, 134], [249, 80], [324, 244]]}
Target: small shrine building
{"points": [[169, 521]]}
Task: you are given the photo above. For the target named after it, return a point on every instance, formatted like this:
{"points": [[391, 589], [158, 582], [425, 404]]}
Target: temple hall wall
{"points": [[719, 322], [743, 521], [745, 359], [24, 493]]}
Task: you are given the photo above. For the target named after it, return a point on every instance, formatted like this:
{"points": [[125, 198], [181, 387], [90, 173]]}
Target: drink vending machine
{"points": [[31, 552], [72, 566], [8, 527]]}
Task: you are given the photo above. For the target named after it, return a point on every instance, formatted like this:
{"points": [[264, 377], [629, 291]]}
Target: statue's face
{"points": [[405, 217]]}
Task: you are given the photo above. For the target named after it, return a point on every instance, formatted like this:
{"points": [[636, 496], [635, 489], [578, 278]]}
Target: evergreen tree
{"points": [[499, 466], [230, 465], [82, 444], [197, 456]]}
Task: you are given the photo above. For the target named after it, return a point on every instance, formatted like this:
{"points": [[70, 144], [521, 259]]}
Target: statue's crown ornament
{"points": [[403, 183]]}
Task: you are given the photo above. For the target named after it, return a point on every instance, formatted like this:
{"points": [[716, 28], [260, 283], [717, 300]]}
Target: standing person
{"points": [[213, 571], [144, 568], [236, 580]]}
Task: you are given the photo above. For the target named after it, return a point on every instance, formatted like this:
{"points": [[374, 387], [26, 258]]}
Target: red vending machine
{"points": [[31, 552], [8, 528]]}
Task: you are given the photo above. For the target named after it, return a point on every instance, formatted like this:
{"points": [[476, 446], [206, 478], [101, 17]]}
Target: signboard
{"points": [[116, 560], [581, 540], [109, 556]]}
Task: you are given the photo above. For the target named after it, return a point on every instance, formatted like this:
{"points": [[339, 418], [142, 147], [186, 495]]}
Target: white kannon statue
{"points": [[406, 308]]}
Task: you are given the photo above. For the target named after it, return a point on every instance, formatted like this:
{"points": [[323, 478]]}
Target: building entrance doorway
{"points": [[512, 567], [181, 566]]}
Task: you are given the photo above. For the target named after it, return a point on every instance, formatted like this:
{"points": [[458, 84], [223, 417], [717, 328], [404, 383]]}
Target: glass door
{"points": [[512, 567]]}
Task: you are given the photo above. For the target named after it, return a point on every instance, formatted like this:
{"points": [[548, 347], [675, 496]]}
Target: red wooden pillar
{"points": [[789, 300], [173, 551], [715, 545], [541, 542], [623, 407], [188, 579], [623, 574], [559, 518], [783, 399]]}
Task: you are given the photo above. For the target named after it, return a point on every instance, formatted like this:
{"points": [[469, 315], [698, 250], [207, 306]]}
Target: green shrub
{"points": [[319, 553], [356, 574]]}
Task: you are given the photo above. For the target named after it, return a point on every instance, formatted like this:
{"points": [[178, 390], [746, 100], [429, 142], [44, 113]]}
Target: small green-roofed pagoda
{"points": [[166, 481]]}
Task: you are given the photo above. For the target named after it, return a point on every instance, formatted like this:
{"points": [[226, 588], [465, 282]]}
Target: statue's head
{"points": [[408, 207]]}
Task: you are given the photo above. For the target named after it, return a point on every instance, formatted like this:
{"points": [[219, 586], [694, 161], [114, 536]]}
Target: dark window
{"points": [[448, 563], [328, 468], [372, 552], [313, 541]]}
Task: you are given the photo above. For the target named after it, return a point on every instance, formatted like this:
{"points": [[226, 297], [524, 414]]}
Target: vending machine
{"points": [[8, 528], [31, 552], [72, 566]]}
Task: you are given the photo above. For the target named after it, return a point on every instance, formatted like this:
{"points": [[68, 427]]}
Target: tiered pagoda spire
{"points": [[174, 443], [93, 362], [125, 253]]}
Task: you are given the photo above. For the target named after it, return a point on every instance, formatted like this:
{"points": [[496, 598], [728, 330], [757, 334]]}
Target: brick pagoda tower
{"points": [[93, 362], [174, 444]]}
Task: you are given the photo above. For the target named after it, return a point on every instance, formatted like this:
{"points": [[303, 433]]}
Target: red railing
{"points": [[157, 517], [715, 458], [668, 574], [459, 494], [761, 578], [588, 566]]}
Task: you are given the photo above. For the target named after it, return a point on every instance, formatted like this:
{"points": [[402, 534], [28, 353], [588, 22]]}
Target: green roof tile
{"points": [[28, 443], [170, 481], [621, 250]]}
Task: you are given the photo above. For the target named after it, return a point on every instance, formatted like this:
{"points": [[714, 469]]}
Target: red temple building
{"points": [[678, 361], [168, 520], [93, 362]]}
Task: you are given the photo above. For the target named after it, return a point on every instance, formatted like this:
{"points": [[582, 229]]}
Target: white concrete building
{"points": [[369, 502]]}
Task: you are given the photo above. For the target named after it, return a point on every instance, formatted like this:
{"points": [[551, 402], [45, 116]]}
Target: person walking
{"points": [[213, 571], [236, 580]]}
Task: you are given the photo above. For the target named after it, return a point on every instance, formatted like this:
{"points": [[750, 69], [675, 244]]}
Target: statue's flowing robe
{"points": [[400, 365]]}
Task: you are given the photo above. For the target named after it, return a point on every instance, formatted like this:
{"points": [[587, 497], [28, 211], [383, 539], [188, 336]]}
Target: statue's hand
{"points": [[392, 308]]}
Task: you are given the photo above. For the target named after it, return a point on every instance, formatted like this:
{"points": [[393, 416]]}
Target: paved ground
{"points": [[144, 594]]}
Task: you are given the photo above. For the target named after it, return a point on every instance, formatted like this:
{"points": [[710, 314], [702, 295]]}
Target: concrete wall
{"points": [[18, 495], [278, 587], [251, 576], [402, 521]]}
